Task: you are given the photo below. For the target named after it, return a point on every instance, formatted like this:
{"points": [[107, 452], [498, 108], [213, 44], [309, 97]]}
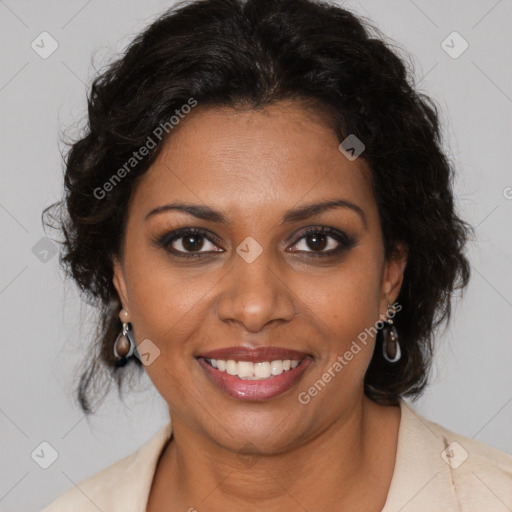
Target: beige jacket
{"points": [[435, 471]]}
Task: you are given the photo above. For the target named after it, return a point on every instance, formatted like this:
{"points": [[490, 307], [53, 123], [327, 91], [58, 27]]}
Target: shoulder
{"points": [[438, 467], [457, 449], [472, 459], [123, 485], [93, 492]]}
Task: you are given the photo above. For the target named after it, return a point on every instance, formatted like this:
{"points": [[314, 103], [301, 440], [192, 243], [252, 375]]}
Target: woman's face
{"points": [[254, 277]]}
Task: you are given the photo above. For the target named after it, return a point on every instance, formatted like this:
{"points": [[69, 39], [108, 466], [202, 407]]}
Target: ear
{"points": [[393, 275], [119, 282]]}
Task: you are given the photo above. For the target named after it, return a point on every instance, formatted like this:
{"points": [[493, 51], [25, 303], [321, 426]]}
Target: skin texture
{"points": [[254, 166]]}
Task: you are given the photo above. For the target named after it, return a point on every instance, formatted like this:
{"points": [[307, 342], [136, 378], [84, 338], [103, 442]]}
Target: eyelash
{"points": [[345, 241]]}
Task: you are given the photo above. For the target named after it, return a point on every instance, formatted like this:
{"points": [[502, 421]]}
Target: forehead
{"points": [[260, 160]]}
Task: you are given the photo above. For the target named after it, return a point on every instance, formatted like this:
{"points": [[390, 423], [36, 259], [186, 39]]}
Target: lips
{"points": [[254, 354], [255, 389]]}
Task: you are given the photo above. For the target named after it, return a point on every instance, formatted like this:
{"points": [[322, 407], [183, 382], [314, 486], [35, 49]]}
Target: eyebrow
{"points": [[294, 215]]}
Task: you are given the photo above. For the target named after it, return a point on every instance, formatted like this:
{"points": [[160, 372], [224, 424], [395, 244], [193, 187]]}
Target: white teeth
{"points": [[261, 370], [276, 367], [231, 367], [245, 369]]}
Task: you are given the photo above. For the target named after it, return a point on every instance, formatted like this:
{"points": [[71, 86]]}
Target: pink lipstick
{"points": [[258, 373]]}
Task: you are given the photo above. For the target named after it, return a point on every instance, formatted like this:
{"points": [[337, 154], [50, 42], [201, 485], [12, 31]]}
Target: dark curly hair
{"points": [[249, 54]]}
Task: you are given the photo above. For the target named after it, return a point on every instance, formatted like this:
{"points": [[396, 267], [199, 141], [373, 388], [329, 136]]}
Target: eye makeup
{"points": [[192, 237]]}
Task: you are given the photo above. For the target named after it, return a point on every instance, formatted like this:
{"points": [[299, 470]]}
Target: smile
{"points": [[254, 373]]}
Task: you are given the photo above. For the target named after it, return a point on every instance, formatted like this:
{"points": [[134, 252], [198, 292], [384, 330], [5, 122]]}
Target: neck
{"points": [[356, 451]]}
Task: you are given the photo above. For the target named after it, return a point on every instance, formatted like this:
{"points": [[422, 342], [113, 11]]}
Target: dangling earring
{"points": [[124, 346], [390, 340]]}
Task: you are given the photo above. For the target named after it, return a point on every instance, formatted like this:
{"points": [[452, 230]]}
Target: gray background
{"points": [[43, 324]]}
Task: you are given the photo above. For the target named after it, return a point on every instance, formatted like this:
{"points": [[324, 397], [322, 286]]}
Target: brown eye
{"points": [[192, 242], [188, 242], [323, 241], [317, 241]]}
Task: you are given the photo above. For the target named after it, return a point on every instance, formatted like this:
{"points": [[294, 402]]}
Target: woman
{"points": [[262, 211]]}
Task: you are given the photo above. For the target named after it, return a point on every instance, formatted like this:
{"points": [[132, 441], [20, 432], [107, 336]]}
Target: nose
{"points": [[255, 294]]}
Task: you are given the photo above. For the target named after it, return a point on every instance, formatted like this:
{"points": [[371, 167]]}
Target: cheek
{"points": [[349, 298], [166, 303], [344, 307], [168, 306]]}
